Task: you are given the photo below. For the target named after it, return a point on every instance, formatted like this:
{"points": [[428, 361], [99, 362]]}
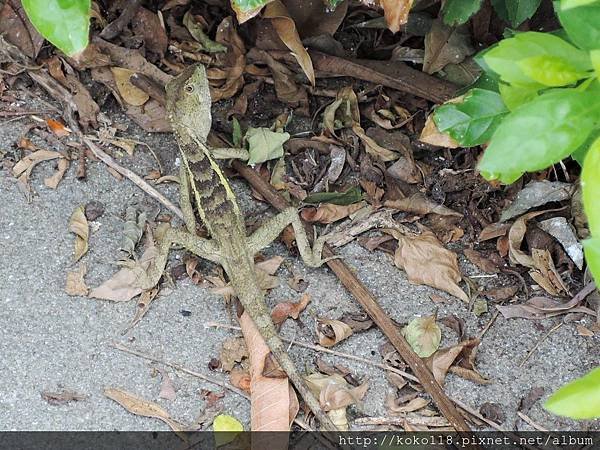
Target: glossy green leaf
{"points": [[540, 133], [506, 58], [579, 399], [248, 5], [65, 23], [551, 70], [582, 25], [566, 4], [581, 152], [516, 12], [352, 195], [595, 57], [264, 144], [472, 121], [591, 247], [457, 12], [590, 183], [226, 429], [515, 95]]}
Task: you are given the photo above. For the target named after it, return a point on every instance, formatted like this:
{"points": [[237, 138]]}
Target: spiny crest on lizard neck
{"points": [[188, 102]]}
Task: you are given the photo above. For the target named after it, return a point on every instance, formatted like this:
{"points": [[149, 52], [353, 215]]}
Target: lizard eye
{"points": [[189, 88]]}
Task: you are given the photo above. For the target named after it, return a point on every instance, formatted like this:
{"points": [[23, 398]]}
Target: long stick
{"points": [[369, 303]]}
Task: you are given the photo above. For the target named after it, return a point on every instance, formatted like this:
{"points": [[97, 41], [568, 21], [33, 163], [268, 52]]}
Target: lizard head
{"points": [[188, 102]]}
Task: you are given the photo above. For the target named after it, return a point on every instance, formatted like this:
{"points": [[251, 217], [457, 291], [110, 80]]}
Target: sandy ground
{"points": [[49, 340]]}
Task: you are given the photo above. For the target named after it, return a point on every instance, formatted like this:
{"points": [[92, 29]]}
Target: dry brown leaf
{"points": [[78, 225], [583, 331], [314, 17], [241, 378], [233, 61], [545, 273], [16, 28], [431, 135], [439, 363], [543, 308], [270, 397], [190, 268], [75, 284], [233, 351], [445, 45], [420, 204], [286, 29], [493, 231], [515, 238], [329, 213], [481, 261], [148, 25], [426, 261], [52, 181], [167, 390], [337, 396], [465, 366], [22, 169], [330, 332], [142, 306], [142, 407], [372, 147], [413, 405], [57, 128], [283, 310], [62, 397], [395, 13], [130, 93]]}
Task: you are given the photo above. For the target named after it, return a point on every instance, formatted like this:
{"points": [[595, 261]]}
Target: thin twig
{"points": [[488, 325], [537, 344], [528, 419], [136, 179], [179, 367]]}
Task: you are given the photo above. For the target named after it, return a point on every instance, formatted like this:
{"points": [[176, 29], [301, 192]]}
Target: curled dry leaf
{"points": [[395, 13], [481, 261], [53, 180], [133, 229], [465, 367], [426, 261], [543, 308], [516, 234], [562, 231], [445, 45], [396, 406], [420, 204], [17, 29], [537, 193], [329, 213], [283, 310], [142, 407], [423, 335], [22, 170], [142, 306], [167, 390], [130, 93], [286, 29], [78, 225], [233, 61], [331, 332], [75, 284], [190, 268], [233, 351], [439, 363], [57, 128], [545, 273]]}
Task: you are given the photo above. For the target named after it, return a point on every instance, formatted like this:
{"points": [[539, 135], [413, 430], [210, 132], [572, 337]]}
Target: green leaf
{"points": [[226, 429], [65, 23], [423, 334], [352, 195], [590, 183], [540, 133], [582, 24], [264, 144], [237, 133], [591, 248], [515, 95], [582, 151], [472, 121], [248, 5], [505, 59], [457, 12], [566, 4], [551, 70], [516, 12], [595, 57], [579, 399]]}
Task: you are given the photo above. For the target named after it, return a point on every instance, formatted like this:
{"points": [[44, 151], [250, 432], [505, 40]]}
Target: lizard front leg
{"points": [[273, 227]]}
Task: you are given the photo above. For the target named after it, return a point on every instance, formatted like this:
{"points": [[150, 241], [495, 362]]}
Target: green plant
{"points": [[65, 23], [544, 107], [515, 12]]}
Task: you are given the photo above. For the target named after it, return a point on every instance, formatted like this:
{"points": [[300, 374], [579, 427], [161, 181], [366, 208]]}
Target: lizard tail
{"points": [[286, 363]]}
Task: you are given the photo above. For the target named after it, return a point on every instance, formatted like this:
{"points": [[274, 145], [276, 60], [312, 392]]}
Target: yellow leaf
{"points": [[286, 29], [431, 135], [424, 335], [78, 224], [226, 424]]}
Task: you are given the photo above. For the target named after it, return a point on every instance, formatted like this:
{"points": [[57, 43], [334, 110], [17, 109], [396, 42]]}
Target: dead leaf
{"points": [[419, 204], [493, 231], [465, 366], [454, 323], [423, 335], [329, 213], [130, 93], [445, 45], [75, 284], [286, 29], [22, 169], [413, 405], [142, 407], [562, 231], [583, 331], [492, 411], [330, 332], [16, 28], [283, 310], [515, 238], [167, 390], [396, 13], [502, 293], [57, 128], [431, 135], [543, 308], [78, 225], [62, 397], [481, 261], [532, 396], [439, 363], [190, 268], [147, 24], [142, 307], [52, 181], [241, 379], [545, 273], [233, 351], [537, 193], [426, 261], [233, 61], [337, 396]]}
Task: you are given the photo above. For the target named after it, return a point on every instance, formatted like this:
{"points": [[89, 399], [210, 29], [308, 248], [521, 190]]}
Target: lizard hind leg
{"points": [[273, 227]]}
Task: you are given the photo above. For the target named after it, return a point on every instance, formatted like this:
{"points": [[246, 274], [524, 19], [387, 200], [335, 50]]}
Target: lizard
{"points": [[203, 184]]}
